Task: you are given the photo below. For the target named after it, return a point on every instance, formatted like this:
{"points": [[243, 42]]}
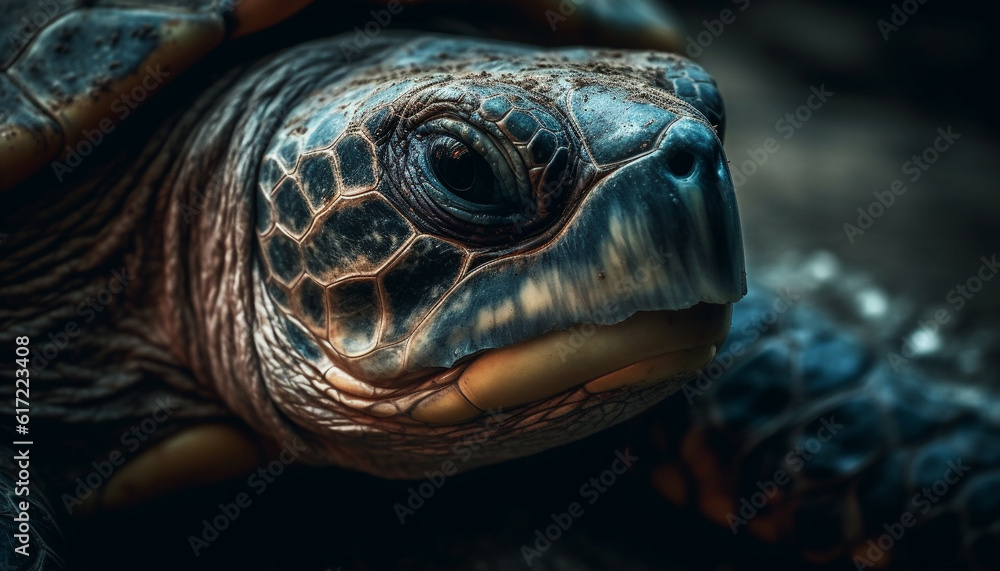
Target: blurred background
{"points": [[889, 92]]}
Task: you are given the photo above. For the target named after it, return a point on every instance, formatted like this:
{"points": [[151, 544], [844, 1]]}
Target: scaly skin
{"points": [[152, 255], [202, 320]]}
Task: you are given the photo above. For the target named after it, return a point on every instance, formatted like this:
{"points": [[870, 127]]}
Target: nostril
{"points": [[681, 164]]}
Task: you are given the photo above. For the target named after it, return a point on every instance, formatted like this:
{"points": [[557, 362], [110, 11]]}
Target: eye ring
{"points": [[527, 197], [470, 175]]}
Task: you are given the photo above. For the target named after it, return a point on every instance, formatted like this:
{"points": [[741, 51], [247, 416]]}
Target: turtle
{"points": [[365, 249]]}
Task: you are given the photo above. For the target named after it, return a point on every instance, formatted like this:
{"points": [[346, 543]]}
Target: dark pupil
{"points": [[463, 172], [456, 168]]}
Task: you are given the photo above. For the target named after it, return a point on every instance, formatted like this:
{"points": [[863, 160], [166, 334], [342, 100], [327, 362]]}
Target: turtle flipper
{"points": [[42, 547], [199, 456], [803, 436]]}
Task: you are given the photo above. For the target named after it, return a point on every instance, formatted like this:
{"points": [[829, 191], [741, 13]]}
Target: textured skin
{"points": [[65, 62], [154, 220], [180, 332], [161, 214], [340, 247]]}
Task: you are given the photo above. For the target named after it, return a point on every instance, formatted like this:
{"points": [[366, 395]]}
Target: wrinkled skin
{"points": [[234, 333], [177, 331]]}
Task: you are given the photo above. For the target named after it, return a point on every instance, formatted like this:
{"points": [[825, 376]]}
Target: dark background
{"points": [[889, 99]]}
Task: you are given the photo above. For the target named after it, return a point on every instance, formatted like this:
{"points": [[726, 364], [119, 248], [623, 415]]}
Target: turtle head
{"points": [[523, 250]]}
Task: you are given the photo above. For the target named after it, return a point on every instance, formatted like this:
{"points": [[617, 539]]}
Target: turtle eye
{"points": [[461, 176], [463, 172], [468, 175]]}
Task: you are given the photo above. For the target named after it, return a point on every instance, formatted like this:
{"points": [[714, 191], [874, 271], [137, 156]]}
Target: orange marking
{"points": [[256, 15], [716, 507], [861, 550], [669, 482]]}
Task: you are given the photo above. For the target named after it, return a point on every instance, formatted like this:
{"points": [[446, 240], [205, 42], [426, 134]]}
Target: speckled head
{"points": [[458, 228]]}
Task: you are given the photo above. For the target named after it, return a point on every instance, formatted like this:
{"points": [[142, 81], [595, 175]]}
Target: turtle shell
{"points": [[72, 71]]}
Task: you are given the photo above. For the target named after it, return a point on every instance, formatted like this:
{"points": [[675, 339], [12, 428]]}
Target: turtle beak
{"points": [[646, 349], [638, 285]]}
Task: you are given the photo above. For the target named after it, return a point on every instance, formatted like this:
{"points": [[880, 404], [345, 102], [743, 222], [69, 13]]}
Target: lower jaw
{"points": [[645, 349]]}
